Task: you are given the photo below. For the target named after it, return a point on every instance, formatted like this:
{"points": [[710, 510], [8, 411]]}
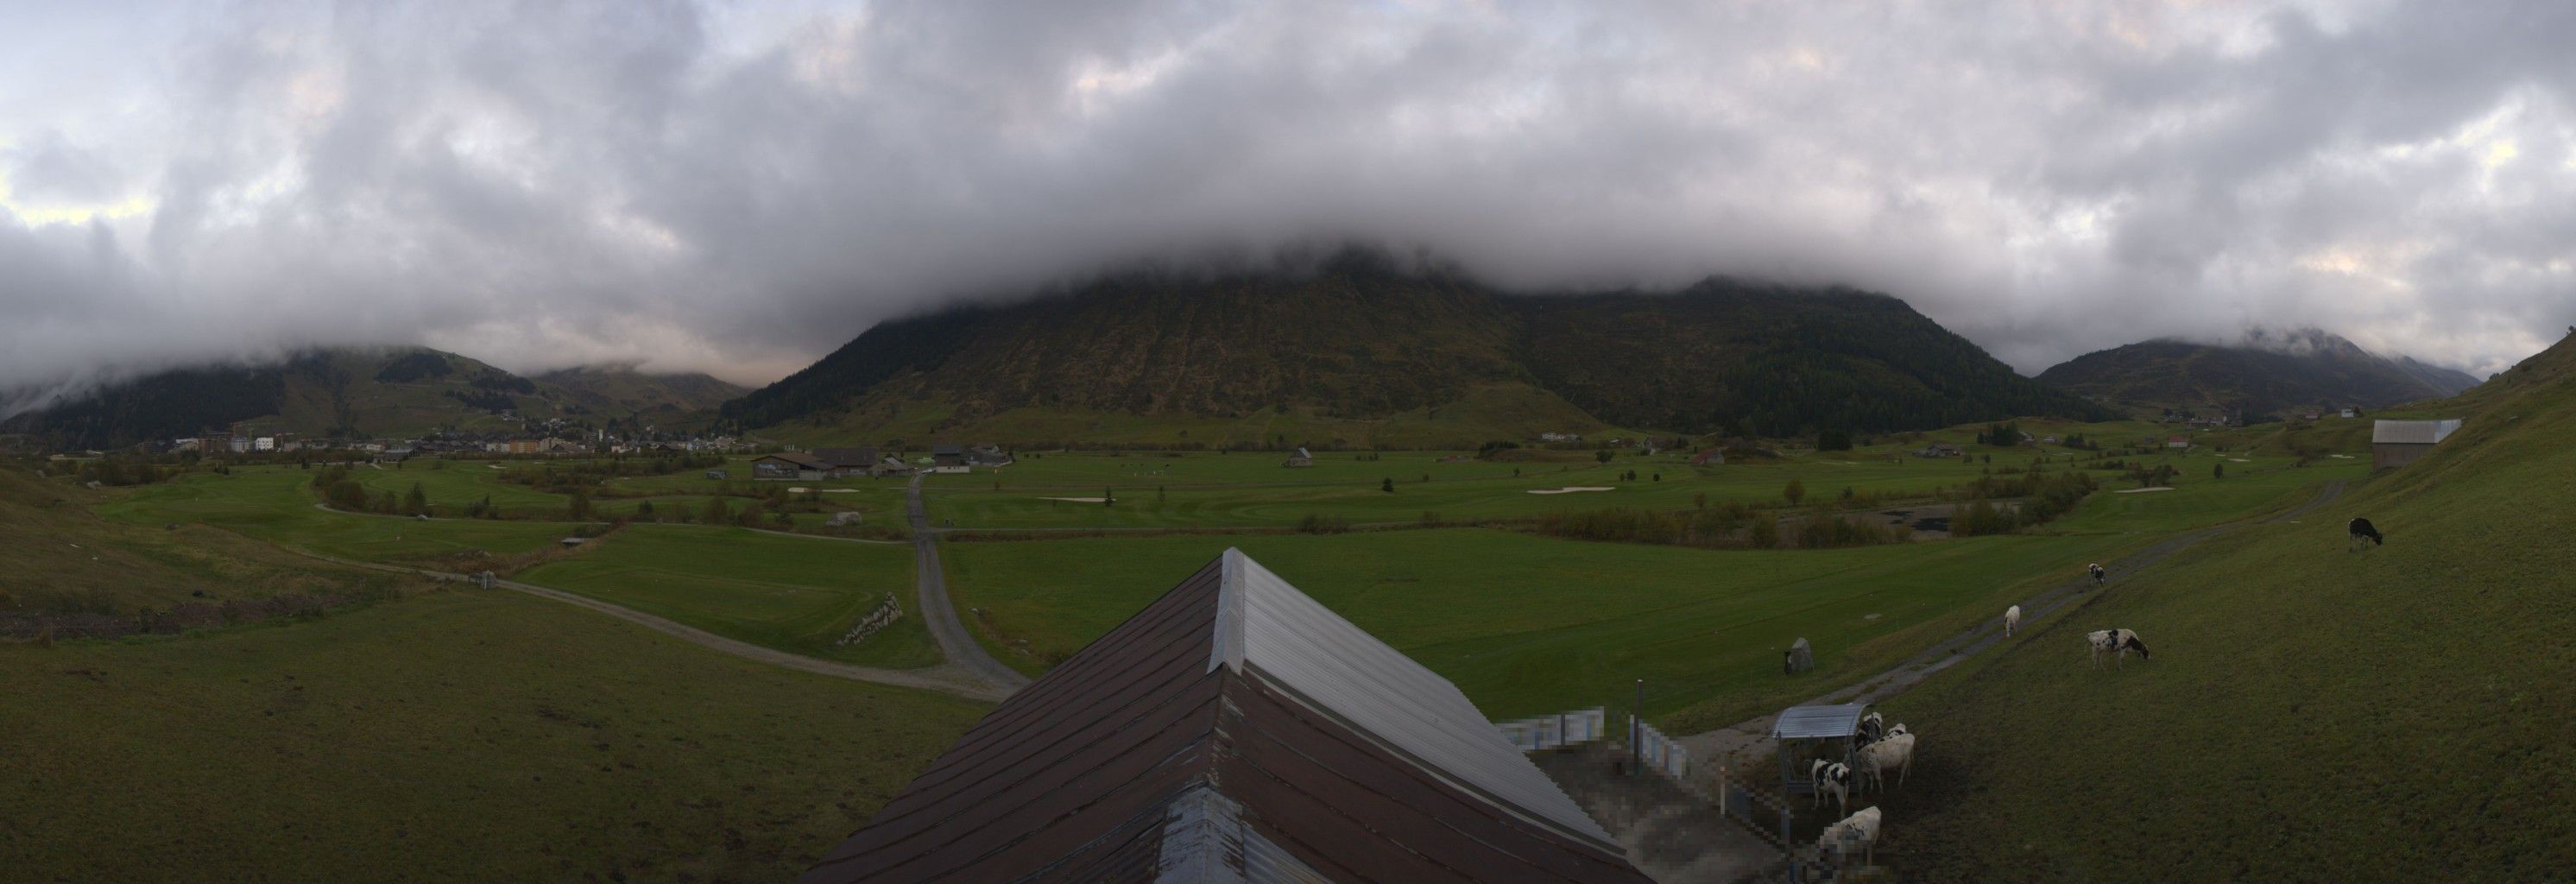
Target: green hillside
{"points": [[2310, 713], [357, 391], [2274, 375], [1362, 351], [615, 388], [57, 557]]}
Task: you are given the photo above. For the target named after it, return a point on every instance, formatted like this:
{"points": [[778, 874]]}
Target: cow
{"points": [[2012, 618], [2360, 530], [1855, 834], [1832, 778], [2100, 576], [2115, 641]]}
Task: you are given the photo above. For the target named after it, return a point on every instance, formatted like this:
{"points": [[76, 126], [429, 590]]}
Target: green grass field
{"points": [[793, 594], [274, 504], [1528, 625], [2310, 713], [458, 735]]}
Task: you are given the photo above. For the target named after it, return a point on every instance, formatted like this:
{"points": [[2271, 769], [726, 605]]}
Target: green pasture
{"points": [[791, 593], [1455, 491], [276, 504], [2310, 713], [1528, 625], [458, 735]]}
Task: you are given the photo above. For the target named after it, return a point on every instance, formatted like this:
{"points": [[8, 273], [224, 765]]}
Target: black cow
{"points": [[2361, 528]]}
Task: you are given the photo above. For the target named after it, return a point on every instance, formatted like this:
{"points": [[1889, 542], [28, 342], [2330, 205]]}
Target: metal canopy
{"points": [[1819, 722], [2411, 432]]}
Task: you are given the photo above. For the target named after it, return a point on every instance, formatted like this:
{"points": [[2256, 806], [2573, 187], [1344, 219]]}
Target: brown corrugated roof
{"points": [[1138, 757]]}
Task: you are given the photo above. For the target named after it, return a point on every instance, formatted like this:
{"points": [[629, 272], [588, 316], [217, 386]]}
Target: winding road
{"points": [[946, 678]]}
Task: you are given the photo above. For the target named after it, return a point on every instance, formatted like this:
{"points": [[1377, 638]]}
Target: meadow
{"points": [[455, 735], [2310, 713], [790, 593], [1530, 625], [274, 504]]}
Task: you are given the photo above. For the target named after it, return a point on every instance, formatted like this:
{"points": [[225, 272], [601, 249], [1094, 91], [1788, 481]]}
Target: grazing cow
{"points": [[2362, 530], [1898, 731], [2116, 641], [1854, 834], [2099, 576], [2012, 618], [1872, 728]]}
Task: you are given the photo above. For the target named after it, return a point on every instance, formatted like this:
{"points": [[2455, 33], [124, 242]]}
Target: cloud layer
{"points": [[738, 189]]}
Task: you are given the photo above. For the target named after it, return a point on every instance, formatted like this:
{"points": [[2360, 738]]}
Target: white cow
{"points": [[2012, 618], [2116, 641], [1854, 834], [1895, 753]]}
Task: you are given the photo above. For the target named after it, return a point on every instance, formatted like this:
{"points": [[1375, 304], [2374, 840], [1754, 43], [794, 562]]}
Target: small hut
{"points": [[1806, 733]]}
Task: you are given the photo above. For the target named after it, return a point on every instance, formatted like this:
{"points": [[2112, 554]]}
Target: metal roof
{"points": [[1289, 636], [1146, 758], [2411, 432], [1819, 722]]}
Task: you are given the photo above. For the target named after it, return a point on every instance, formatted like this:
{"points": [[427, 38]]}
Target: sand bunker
{"points": [[824, 491], [1078, 499], [1567, 489], [2239, 460], [2142, 490], [2340, 456]]}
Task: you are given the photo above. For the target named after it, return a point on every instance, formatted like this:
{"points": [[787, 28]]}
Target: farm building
{"points": [[1709, 458], [1300, 459], [789, 465], [1940, 449], [1233, 730], [847, 462], [948, 455], [2178, 442], [2398, 443]]}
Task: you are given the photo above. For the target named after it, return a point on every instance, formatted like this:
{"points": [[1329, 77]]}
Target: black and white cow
{"points": [[2362, 529], [2116, 641], [2100, 576], [1832, 778]]}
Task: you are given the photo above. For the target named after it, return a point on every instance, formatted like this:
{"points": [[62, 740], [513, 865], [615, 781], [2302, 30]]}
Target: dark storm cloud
{"points": [[740, 188]]}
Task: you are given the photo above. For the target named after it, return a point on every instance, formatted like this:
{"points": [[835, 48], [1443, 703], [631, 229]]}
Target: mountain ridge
{"points": [[1357, 339], [356, 391], [2264, 374]]}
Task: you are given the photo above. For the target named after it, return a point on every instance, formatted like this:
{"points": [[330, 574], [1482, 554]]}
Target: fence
{"points": [[886, 612], [1554, 731], [1660, 753]]}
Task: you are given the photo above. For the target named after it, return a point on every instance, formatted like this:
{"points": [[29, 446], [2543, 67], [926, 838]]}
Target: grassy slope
{"points": [[56, 556], [2311, 714], [458, 735], [789, 593], [276, 505]]}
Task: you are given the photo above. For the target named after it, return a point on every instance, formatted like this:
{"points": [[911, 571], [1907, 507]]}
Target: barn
{"points": [[2398, 443], [789, 465], [1233, 730]]}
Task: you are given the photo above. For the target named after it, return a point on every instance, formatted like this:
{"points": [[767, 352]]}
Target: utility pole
{"points": [[1637, 729]]}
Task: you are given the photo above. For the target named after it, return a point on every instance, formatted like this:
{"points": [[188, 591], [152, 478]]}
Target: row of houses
{"points": [[868, 461]]}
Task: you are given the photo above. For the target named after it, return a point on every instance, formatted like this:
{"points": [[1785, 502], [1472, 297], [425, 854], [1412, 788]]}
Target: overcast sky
{"points": [[739, 188]]}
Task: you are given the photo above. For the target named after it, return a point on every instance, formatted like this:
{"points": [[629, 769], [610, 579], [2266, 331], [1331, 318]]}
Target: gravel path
{"points": [[1752, 738], [938, 613], [944, 678]]}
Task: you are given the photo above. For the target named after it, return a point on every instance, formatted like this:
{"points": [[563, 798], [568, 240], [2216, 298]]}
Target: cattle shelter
{"points": [[1806, 733], [2398, 443]]}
